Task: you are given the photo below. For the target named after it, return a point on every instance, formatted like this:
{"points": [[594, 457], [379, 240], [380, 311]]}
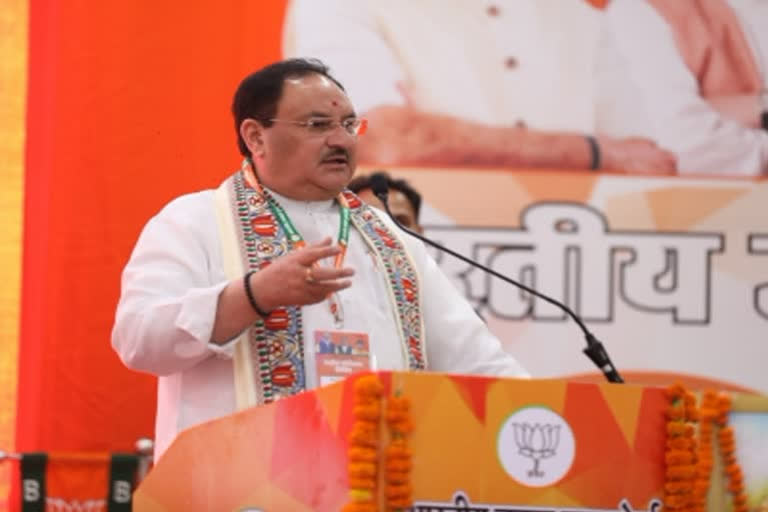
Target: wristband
{"points": [[595, 149], [249, 294]]}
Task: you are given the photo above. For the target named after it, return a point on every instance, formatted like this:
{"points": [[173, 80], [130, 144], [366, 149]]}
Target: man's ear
{"points": [[252, 133]]}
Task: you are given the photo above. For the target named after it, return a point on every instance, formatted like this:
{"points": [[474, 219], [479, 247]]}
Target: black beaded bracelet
{"points": [[595, 149], [249, 294]]}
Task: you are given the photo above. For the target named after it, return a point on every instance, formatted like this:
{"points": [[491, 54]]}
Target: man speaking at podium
{"points": [[259, 289]]}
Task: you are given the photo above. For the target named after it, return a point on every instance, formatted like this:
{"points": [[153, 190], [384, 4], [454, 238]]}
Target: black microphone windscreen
{"points": [[379, 185]]}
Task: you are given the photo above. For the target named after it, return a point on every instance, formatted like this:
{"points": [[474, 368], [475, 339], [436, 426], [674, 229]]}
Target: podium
{"points": [[477, 444]]}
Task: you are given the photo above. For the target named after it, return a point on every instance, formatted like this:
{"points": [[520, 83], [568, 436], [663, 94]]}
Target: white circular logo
{"points": [[536, 446]]}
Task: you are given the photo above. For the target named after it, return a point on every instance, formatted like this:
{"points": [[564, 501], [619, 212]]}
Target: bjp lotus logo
{"points": [[536, 446], [536, 442]]}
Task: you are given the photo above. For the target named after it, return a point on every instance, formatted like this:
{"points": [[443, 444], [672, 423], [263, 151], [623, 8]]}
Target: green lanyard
{"points": [[295, 237]]}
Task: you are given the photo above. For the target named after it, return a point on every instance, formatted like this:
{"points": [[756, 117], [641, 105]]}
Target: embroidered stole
{"points": [[269, 355]]}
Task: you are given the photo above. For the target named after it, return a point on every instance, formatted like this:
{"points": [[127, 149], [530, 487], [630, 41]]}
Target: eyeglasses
{"points": [[322, 126]]}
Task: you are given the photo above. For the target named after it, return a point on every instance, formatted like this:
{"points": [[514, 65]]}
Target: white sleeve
{"points": [[169, 294], [457, 340], [344, 35], [646, 89]]}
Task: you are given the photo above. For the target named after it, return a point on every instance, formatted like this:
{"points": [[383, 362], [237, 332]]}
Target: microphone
{"points": [[594, 350]]}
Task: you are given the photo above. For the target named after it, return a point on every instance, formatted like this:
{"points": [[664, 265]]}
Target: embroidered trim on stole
{"points": [[277, 348], [401, 276]]}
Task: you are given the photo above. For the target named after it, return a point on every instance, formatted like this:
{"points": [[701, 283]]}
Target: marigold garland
{"points": [[362, 468], [727, 444], [680, 454], [689, 458], [397, 466]]}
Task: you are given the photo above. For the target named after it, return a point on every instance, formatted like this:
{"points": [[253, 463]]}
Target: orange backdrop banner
{"points": [[128, 107]]}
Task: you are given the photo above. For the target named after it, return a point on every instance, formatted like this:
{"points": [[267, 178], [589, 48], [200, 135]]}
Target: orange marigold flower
{"points": [[675, 391], [364, 434], [368, 412], [397, 453], [367, 399], [681, 472], [680, 443], [361, 495], [362, 454], [398, 465], [368, 385], [675, 428], [398, 447], [397, 477], [705, 466], [362, 483], [701, 486], [736, 478], [398, 491], [400, 503], [399, 403], [361, 470], [356, 506], [678, 458], [675, 501], [726, 433], [394, 417], [675, 413], [402, 427], [680, 487], [734, 471], [727, 448]]}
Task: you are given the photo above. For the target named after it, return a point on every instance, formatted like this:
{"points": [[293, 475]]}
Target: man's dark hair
{"points": [[258, 94], [364, 182]]}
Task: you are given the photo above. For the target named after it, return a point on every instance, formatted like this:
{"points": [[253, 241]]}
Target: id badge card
{"points": [[339, 354]]}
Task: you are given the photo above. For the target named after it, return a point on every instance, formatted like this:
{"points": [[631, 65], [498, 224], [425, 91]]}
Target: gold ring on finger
{"points": [[308, 277]]}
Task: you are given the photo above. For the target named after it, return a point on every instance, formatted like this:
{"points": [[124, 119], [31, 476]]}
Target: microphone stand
{"points": [[594, 350]]}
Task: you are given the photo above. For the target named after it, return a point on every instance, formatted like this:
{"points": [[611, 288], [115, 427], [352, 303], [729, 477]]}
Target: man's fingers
{"points": [[319, 291], [319, 274], [327, 287], [311, 254]]}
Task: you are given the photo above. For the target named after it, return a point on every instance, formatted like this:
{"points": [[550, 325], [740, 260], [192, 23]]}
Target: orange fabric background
{"points": [[128, 107], [13, 85]]}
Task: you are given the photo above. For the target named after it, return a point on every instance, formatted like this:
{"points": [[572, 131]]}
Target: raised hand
{"points": [[298, 278]]}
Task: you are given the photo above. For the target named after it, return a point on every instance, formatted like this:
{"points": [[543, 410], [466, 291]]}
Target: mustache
{"points": [[336, 153]]}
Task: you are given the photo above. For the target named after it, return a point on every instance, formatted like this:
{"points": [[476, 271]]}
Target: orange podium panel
{"points": [[470, 443]]}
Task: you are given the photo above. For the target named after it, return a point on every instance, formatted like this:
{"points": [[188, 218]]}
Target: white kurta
{"points": [[497, 62], [645, 89], [171, 285]]}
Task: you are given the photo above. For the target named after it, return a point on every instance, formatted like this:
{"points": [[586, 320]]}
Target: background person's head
{"points": [[299, 128], [404, 201]]}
